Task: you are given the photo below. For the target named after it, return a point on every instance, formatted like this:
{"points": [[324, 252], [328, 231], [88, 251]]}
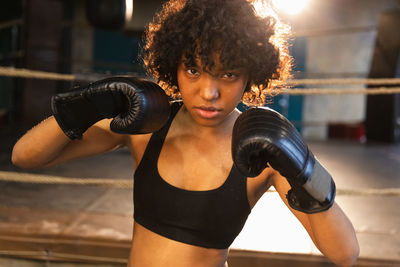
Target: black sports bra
{"points": [[210, 219]]}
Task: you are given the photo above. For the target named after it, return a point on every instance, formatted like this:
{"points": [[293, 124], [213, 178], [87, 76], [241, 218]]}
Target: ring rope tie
{"points": [[26, 73], [128, 183]]}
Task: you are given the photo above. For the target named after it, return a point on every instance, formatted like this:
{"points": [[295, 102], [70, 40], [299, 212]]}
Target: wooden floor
{"points": [[93, 224]]}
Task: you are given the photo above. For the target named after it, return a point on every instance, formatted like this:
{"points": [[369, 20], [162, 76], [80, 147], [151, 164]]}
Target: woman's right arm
{"points": [[79, 128], [47, 145]]}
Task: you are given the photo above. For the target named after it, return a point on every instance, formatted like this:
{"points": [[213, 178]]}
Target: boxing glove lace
{"points": [[262, 136], [137, 106]]}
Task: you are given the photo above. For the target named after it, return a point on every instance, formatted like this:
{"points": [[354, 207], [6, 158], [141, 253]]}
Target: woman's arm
{"points": [[46, 144], [331, 230], [79, 126]]}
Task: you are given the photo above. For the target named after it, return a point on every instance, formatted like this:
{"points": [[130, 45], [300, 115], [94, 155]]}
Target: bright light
{"points": [[291, 7], [128, 10]]}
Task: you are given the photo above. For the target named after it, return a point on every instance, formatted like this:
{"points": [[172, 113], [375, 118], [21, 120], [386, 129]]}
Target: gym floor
{"points": [[58, 224]]}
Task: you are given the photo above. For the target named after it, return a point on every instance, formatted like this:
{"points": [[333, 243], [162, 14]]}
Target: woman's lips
{"points": [[207, 112]]}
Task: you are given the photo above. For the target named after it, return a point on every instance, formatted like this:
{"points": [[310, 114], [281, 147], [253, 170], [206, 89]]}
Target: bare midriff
{"points": [[150, 249]]}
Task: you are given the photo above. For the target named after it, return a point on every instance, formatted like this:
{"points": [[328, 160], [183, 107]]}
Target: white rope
{"points": [[127, 183], [47, 254], [348, 91], [26, 73], [362, 192], [49, 179], [348, 81], [36, 74]]}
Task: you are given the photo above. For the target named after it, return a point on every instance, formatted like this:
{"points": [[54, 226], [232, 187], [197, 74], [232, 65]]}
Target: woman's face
{"points": [[210, 96]]}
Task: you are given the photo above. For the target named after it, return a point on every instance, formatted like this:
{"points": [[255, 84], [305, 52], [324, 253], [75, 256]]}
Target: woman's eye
{"points": [[229, 75], [192, 72]]}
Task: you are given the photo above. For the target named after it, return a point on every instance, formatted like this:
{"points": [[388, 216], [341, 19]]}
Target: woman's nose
{"points": [[209, 88]]}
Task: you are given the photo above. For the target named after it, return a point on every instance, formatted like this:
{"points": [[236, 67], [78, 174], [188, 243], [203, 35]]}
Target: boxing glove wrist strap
{"points": [[316, 194], [319, 185]]}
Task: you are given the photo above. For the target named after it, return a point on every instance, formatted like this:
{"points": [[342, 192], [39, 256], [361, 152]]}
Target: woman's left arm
{"points": [[262, 137], [331, 230]]}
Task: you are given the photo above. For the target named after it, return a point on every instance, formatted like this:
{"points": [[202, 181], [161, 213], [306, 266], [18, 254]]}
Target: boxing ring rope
{"points": [[370, 81], [49, 255], [26, 73], [20, 177], [128, 183], [344, 91]]}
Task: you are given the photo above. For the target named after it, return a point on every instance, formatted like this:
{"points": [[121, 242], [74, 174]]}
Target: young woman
{"points": [[190, 198]]}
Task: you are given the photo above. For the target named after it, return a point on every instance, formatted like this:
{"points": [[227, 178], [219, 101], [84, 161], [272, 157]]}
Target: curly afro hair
{"points": [[201, 29]]}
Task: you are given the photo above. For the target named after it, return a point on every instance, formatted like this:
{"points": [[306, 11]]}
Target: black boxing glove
{"points": [[138, 106], [261, 136]]}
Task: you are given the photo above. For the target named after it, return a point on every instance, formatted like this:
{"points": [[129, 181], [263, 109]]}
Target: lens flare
{"points": [[291, 7]]}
